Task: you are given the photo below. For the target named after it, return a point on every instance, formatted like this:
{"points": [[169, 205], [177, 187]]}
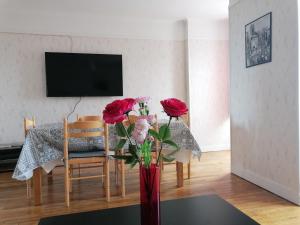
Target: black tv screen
{"points": [[77, 74]]}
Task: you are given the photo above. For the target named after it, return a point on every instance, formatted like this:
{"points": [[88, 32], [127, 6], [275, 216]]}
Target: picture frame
{"points": [[258, 41]]}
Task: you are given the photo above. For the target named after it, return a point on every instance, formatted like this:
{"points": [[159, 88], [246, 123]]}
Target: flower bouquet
{"points": [[140, 132]]}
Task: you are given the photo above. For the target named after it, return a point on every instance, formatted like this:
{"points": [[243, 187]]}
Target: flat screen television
{"points": [[79, 75]]}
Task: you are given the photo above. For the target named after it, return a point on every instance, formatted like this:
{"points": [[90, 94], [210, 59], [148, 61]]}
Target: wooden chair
{"points": [[185, 119], [120, 163], [116, 165], [28, 124], [85, 129], [89, 118], [99, 118]]}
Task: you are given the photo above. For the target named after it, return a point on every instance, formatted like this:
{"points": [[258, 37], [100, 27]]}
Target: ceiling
{"points": [[150, 9]]}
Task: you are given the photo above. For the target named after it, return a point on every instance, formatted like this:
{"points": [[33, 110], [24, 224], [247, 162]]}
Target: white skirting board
{"points": [[268, 184], [215, 148]]}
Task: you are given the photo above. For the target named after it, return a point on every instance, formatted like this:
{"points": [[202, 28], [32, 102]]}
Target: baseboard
{"points": [[268, 184], [214, 148]]}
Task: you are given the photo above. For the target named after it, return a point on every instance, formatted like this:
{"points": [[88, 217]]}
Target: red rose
{"points": [[174, 107], [115, 111], [128, 104]]}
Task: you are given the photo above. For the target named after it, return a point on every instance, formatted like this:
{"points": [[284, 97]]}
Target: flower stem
{"points": [[129, 139], [161, 143]]}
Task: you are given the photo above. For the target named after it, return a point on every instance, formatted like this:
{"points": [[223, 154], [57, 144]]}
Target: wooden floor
{"points": [[210, 175]]}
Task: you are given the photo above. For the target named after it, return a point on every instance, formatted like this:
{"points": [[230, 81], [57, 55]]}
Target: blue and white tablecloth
{"points": [[43, 147]]}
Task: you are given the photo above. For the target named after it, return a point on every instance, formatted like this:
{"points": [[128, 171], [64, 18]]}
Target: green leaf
{"points": [[154, 134], [167, 159], [121, 144], [133, 163], [133, 151], [171, 153], [122, 157], [172, 143], [130, 129], [121, 131], [164, 132], [130, 159]]}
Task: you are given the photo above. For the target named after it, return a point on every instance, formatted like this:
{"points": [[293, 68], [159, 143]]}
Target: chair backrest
{"points": [[85, 129], [89, 118], [134, 118], [28, 124], [131, 119]]}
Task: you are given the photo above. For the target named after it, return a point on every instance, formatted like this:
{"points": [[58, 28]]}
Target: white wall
{"points": [[264, 100], [150, 68], [208, 83], [89, 24], [154, 61]]}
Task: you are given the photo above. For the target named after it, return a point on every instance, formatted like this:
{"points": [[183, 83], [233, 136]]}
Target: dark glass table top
{"points": [[202, 210]]}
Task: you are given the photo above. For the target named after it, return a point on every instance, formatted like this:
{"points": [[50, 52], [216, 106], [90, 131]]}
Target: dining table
{"points": [[43, 150]]}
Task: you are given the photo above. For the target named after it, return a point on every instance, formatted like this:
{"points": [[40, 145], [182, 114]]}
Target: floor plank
{"points": [[210, 175]]}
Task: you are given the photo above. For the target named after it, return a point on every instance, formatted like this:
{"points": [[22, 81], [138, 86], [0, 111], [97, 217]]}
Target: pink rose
{"points": [[140, 131], [149, 118], [142, 99]]}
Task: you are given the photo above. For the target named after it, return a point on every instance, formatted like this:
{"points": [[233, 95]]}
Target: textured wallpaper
{"points": [[264, 101], [150, 67]]}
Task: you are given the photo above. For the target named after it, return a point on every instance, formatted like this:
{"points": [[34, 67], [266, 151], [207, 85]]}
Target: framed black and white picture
{"points": [[258, 41]]}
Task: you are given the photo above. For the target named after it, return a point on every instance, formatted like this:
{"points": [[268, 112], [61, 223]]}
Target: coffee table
{"points": [[203, 210]]}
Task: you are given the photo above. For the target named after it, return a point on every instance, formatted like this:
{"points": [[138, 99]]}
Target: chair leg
{"points": [[161, 172], [50, 177], [71, 169], [116, 162], [189, 170], [123, 178], [103, 173], [67, 187], [70, 176], [107, 181], [28, 186]]}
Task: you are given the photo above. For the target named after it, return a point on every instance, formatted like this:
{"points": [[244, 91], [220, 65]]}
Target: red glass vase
{"points": [[150, 195]]}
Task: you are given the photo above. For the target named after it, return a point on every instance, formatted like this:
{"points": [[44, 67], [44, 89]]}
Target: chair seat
{"points": [[86, 153]]}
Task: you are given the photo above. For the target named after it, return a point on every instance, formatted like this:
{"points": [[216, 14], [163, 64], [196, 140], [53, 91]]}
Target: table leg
{"points": [[179, 170], [37, 181]]}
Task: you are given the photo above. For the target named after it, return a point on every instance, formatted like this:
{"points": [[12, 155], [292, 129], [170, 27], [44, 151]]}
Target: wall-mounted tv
{"points": [[79, 75]]}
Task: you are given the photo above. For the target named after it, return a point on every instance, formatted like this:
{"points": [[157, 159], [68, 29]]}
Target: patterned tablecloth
{"points": [[43, 147]]}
